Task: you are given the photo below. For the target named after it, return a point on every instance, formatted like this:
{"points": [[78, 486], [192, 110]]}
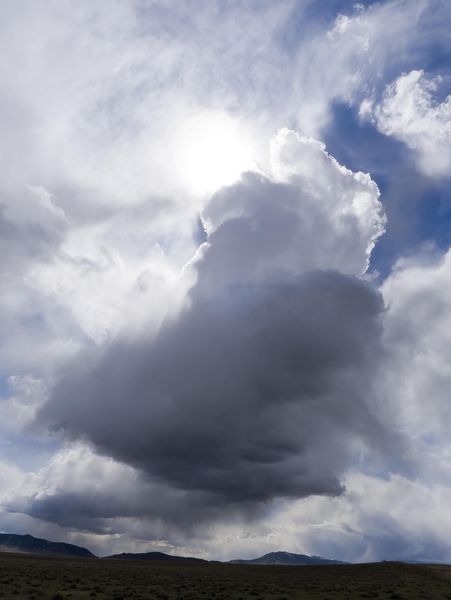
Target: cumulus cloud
{"points": [[232, 397], [262, 386], [312, 214], [410, 113], [417, 332]]}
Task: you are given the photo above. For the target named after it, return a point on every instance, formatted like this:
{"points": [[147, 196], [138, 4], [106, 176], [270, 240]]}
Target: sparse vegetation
{"points": [[43, 578]]}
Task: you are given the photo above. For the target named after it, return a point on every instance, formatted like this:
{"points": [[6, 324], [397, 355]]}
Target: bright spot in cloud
{"points": [[213, 150]]}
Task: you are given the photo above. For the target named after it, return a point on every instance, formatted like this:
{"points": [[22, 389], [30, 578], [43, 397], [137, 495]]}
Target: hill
{"points": [[155, 556], [287, 558], [10, 542]]}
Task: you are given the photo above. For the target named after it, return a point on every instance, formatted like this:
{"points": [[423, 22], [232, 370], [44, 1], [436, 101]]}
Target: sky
{"points": [[225, 308]]}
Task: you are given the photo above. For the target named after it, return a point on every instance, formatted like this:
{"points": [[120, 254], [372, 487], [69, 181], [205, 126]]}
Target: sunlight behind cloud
{"points": [[212, 151]]}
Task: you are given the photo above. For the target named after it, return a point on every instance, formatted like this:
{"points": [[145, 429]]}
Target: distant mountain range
{"points": [[273, 558], [156, 556], [287, 558], [10, 542]]}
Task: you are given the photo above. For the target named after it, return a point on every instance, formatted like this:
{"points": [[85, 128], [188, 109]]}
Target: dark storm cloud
{"points": [[248, 395], [260, 388], [165, 511]]}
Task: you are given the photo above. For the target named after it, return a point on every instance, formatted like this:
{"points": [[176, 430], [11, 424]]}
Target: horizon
{"points": [[225, 306], [332, 559]]}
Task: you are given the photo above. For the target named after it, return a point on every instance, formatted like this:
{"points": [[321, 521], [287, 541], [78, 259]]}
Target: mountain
{"points": [[287, 558], [155, 556], [10, 542]]}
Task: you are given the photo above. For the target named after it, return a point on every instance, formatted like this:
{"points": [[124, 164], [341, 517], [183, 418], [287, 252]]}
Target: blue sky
{"points": [[226, 306]]}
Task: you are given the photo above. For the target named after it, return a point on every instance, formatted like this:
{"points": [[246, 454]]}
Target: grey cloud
{"points": [[80, 489], [379, 538], [164, 512], [245, 396], [259, 226], [31, 228], [259, 388], [388, 541]]}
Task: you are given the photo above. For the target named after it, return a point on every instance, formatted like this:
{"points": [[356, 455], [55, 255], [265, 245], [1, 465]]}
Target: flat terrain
{"points": [[42, 578]]}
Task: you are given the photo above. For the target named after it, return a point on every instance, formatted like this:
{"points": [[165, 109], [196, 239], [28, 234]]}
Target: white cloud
{"points": [[410, 113], [107, 117], [350, 200], [11, 479], [26, 395], [418, 338]]}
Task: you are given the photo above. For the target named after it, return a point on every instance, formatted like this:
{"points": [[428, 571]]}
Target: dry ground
{"points": [[38, 578]]}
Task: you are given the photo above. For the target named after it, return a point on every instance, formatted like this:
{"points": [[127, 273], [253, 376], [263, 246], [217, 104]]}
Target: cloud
{"points": [[96, 210], [19, 405], [410, 113], [399, 516], [312, 214], [390, 518], [294, 352], [353, 59], [32, 227], [261, 387], [112, 508], [417, 330], [99, 120], [79, 489]]}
